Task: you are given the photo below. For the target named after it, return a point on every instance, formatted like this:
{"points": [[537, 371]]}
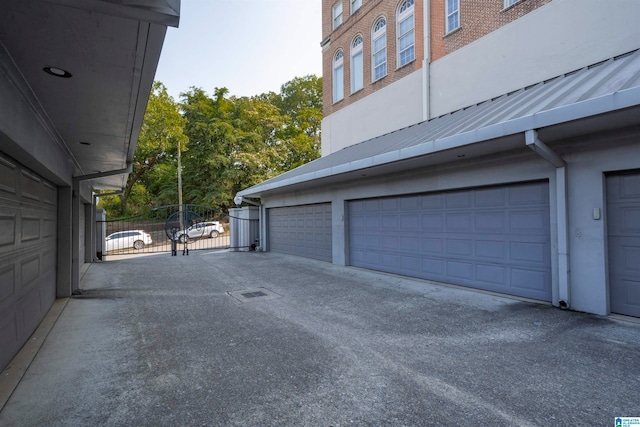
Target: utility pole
{"points": [[180, 188]]}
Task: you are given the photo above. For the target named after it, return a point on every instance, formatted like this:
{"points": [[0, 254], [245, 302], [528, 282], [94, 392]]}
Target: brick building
{"points": [[502, 153]]}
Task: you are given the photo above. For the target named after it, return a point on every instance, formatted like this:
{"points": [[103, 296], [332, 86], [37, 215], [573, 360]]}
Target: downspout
{"points": [[426, 62], [534, 143]]}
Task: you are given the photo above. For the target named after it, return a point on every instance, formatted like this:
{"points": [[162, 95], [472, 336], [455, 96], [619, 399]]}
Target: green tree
{"points": [[238, 142], [300, 100], [154, 161]]}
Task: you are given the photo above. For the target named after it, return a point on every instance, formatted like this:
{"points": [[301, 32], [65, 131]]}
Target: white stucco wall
{"points": [[391, 108], [562, 36]]}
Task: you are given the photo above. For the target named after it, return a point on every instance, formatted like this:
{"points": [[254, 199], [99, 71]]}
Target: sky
{"points": [[248, 46]]}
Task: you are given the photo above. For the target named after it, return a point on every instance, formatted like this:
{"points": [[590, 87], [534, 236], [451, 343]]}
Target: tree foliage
{"points": [[154, 161], [228, 143]]}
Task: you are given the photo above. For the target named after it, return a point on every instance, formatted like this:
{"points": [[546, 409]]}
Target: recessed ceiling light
{"points": [[84, 143], [58, 72]]}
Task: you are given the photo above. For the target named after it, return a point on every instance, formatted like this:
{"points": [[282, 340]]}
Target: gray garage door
{"points": [[623, 223], [27, 254], [493, 238], [301, 230]]}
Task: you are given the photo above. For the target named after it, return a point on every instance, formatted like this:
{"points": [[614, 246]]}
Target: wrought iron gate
{"points": [[174, 228]]}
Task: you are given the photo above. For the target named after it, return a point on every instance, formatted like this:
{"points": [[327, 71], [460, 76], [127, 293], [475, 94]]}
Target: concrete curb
{"points": [[13, 373]]}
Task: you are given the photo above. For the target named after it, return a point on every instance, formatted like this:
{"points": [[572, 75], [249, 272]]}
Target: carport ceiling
{"points": [[111, 48]]}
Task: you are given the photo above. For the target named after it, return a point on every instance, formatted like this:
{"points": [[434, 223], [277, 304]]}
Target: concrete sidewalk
{"points": [[261, 339]]}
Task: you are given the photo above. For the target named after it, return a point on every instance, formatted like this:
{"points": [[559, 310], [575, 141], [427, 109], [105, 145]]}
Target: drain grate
{"points": [[254, 294]]}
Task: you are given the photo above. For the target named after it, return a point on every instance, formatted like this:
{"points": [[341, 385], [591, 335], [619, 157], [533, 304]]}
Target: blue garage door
{"points": [[301, 230], [623, 223], [494, 238]]}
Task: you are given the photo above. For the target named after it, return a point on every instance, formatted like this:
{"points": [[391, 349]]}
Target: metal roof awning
{"points": [[599, 97]]}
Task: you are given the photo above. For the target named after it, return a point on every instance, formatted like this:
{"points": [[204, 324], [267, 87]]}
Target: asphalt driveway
{"points": [[222, 338]]}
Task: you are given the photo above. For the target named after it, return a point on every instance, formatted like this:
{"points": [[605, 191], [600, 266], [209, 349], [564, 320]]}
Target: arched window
{"points": [[357, 66], [406, 35], [338, 76], [379, 49]]}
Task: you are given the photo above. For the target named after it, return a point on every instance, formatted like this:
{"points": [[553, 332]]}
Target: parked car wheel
{"points": [[214, 234], [183, 238], [138, 244]]}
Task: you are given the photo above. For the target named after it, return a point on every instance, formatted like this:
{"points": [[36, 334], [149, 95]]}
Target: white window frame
{"points": [[357, 50], [509, 3], [336, 14], [375, 35], [449, 13], [402, 16], [338, 76], [356, 4]]}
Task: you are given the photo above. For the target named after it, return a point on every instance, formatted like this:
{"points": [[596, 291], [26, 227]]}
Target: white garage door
{"points": [[27, 254], [301, 230], [494, 238], [623, 223]]}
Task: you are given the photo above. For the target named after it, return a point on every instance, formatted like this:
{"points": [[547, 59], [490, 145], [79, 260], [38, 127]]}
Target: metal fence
{"points": [[174, 228]]}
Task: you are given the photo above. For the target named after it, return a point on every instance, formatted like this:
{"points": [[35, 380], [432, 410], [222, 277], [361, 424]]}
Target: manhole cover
{"points": [[256, 294]]}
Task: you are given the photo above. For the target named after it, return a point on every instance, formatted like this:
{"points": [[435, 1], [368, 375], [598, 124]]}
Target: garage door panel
{"points": [[7, 282], [28, 227], [302, 230], [623, 187], [491, 249], [531, 221], [432, 202], [488, 238], [490, 222], [433, 222], [532, 252], [30, 270], [633, 292], [490, 197], [459, 222], [432, 245], [409, 222], [493, 274], [528, 194], [458, 199], [433, 267], [528, 279], [30, 185], [459, 247], [7, 230], [460, 270], [623, 228]]}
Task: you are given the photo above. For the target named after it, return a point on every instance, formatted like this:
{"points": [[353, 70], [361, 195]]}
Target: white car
{"points": [[135, 239], [199, 230]]}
